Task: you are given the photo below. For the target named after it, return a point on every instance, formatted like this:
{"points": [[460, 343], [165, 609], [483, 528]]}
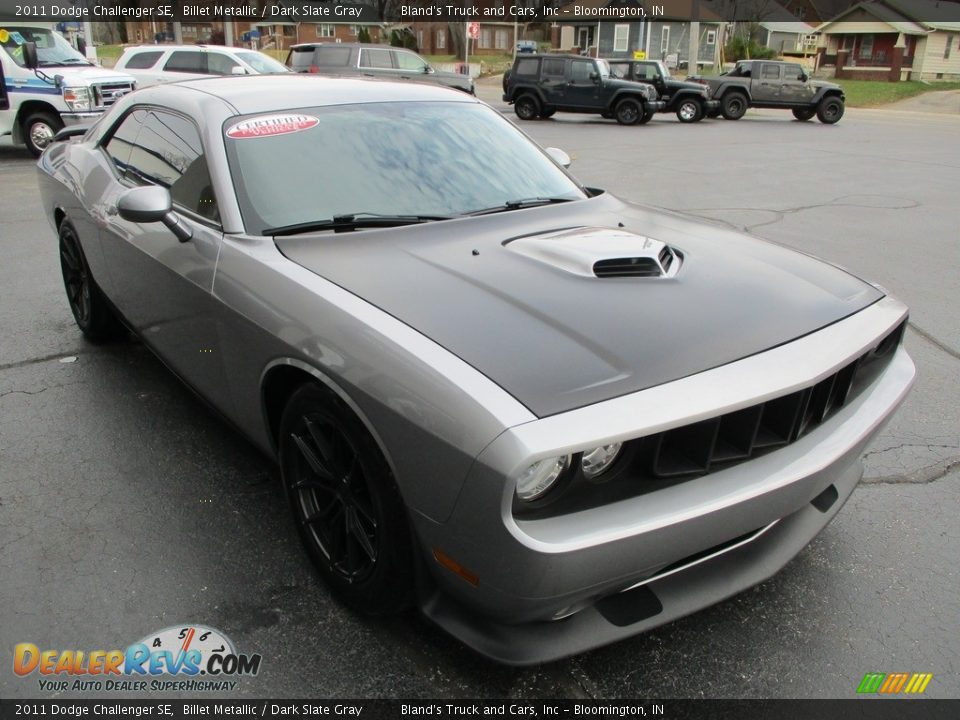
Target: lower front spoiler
{"points": [[656, 602]]}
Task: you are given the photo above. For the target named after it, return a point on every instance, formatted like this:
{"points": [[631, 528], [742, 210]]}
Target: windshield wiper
{"points": [[353, 221], [520, 204]]}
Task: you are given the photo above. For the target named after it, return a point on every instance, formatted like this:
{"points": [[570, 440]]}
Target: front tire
{"points": [[345, 502], [803, 113], [689, 111], [547, 113], [93, 315], [527, 107], [38, 131], [647, 117], [628, 112], [830, 110], [734, 105]]}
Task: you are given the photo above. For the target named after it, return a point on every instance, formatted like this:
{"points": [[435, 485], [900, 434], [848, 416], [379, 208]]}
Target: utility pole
{"points": [[693, 56]]}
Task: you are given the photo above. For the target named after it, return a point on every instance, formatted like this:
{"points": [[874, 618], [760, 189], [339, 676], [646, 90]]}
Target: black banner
{"points": [[875, 709], [932, 12]]}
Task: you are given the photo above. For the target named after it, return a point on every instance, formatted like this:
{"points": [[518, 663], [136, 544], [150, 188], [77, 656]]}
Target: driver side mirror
{"points": [[559, 156], [150, 204], [427, 69], [30, 59], [237, 70], [803, 77], [595, 76]]}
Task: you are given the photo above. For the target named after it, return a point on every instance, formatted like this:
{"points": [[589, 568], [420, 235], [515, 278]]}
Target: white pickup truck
{"points": [[63, 89]]}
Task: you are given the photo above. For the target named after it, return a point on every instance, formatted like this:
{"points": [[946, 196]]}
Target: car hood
{"points": [[74, 76], [518, 301]]}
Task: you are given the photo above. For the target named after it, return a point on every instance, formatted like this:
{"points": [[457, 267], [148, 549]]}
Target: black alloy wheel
{"points": [[804, 113], [830, 110], [93, 315], [345, 502], [628, 112], [733, 106], [526, 107]]}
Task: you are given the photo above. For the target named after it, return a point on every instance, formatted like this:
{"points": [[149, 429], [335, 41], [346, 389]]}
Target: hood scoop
{"points": [[600, 252]]}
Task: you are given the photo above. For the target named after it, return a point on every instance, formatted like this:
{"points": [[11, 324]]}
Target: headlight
{"points": [[77, 99], [599, 459], [537, 479]]}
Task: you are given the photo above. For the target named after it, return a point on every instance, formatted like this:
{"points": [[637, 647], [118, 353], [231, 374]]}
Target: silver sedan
{"points": [[547, 418]]}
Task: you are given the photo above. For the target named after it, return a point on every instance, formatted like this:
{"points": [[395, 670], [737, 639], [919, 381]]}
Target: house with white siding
{"points": [[894, 40]]}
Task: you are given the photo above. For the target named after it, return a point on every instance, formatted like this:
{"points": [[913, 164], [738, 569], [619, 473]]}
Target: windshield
{"points": [[52, 49], [398, 158], [664, 70], [262, 63], [603, 68]]}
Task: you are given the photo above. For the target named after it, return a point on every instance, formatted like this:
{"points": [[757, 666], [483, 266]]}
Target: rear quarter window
{"points": [[527, 66], [332, 56], [190, 61], [143, 60], [300, 58]]}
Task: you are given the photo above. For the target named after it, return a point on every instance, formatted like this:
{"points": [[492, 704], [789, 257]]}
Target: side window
{"points": [[409, 61], [792, 72], [220, 64], [121, 143], [528, 67], [189, 61], [373, 58], [554, 68], [580, 70], [770, 72], [620, 70], [168, 152], [143, 60]]}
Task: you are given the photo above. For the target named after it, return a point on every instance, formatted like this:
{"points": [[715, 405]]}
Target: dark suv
{"points": [[540, 86], [364, 60], [690, 101]]}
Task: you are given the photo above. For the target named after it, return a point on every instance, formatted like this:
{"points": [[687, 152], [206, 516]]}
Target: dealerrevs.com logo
{"points": [[177, 658]]}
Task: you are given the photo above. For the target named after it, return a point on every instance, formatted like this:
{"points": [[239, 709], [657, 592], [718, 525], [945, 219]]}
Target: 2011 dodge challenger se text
{"points": [[548, 418]]}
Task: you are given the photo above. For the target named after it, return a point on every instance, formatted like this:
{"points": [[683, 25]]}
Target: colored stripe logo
{"points": [[894, 683]]}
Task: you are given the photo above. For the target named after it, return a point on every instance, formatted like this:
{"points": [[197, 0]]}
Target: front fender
{"points": [[728, 87]]}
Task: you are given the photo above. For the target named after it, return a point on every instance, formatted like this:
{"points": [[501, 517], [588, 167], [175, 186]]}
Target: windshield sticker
{"points": [[17, 37], [4, 35], [270, 125]]}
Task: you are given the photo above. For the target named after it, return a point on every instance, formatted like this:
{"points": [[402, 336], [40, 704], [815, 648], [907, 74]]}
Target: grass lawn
{"points": [[872, 93]]}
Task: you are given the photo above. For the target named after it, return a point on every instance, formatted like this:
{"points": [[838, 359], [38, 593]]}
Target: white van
{"points": [[64, 89]]}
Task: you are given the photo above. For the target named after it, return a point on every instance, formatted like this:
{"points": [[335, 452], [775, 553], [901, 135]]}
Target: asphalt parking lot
{"points": [[126, 506]]}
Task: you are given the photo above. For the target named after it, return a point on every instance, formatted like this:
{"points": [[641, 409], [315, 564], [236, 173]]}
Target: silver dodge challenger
{"points": [[548, 418]]}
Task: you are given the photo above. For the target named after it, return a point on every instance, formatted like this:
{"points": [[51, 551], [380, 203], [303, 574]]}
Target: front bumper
{"points": [[80, 118], [655, 105], [711, 105], [749, 519]]}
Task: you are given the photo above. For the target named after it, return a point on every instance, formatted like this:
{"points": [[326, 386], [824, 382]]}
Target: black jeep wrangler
{"points": [[690, 101], [541, 85]]}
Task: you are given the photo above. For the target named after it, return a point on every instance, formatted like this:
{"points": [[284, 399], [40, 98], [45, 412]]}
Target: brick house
{"points": [[893, 40]]}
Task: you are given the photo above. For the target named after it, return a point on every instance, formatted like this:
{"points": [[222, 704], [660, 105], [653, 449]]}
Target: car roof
{"points": [[267, 93], [373, 46]]}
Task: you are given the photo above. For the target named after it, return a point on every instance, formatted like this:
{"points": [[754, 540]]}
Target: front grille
{"points": [[106, 94], [657, 461]]}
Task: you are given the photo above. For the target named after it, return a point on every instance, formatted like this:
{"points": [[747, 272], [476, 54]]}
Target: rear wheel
{"points": [[345, 502], [804, 113], [628, 112], [689, 110], [93, 315], [830, 110], [527, 107], [38, 131], [734, 105]]}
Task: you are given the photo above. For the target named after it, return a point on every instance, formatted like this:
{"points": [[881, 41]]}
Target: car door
{"points": [[582, 91], [184, 65], [163, 287], [376, 62], [766, 87], [553, 81], [795, 89], [411, 66]]}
